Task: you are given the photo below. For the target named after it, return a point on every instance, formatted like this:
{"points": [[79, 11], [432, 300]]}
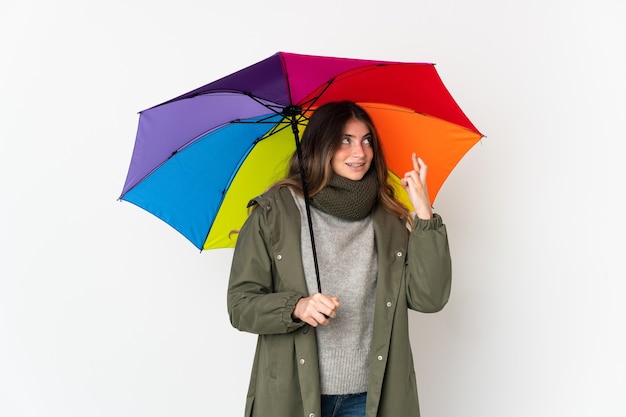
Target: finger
{"points": [[328, 301], [423, 167], [411, 178], [321, 307], [321, 318], [415, 160], [408, 180], [314, 318], [328, 311]]}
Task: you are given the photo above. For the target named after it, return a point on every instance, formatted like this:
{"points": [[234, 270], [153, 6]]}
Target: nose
{"points": [[357, 149]]}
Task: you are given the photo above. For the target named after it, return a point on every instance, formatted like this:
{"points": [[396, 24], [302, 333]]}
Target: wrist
{"points": [[424, 214], [294, 317]]}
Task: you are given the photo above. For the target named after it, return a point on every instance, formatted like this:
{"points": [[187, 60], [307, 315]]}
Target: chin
{"points": [[354, 177]]}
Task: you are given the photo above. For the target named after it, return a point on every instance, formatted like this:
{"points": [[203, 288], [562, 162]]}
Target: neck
{"points": [[348, 199]]}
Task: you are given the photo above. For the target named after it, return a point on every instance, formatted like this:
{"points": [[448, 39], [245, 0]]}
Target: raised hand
{"points": [[414, 182]]}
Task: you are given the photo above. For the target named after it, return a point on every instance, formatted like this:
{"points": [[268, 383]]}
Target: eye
{"points": [[367, 141], [345, 140]]}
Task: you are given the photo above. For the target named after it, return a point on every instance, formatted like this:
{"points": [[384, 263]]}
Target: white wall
{"points": [[104, 310]]}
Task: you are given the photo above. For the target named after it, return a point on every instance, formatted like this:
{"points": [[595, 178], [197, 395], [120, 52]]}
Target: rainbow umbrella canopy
{"points": [[200, 157]]}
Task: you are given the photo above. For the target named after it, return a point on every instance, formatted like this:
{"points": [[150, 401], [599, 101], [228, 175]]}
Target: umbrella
{"points": [[200, 157]]}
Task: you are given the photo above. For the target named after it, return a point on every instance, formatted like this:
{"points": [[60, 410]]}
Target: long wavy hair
{"points": [[321, 139]]}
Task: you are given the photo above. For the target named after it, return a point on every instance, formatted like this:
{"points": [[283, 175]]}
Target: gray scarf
{"points": [[347, 199]]}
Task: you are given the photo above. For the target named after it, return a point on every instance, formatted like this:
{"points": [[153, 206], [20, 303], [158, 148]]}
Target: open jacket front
{"points": [[267, 279]]}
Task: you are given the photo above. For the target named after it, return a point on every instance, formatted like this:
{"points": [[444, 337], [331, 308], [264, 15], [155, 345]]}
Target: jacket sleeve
{"points": [[254, 301], [428, 266]]}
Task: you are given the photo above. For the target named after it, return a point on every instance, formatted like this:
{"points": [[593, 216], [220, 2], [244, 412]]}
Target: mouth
{"points": [[355, 164]]}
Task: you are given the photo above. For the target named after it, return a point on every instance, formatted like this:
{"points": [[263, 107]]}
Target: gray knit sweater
{"points": [[348, 265]]}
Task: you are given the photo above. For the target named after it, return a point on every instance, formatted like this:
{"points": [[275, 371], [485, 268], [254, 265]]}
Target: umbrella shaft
{"points": [[305, 191]]}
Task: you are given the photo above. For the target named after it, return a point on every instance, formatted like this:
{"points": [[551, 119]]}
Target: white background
{"points": [[106, 311]]}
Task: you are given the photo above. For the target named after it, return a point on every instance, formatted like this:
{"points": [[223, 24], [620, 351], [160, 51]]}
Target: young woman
{"points": [[344, 351]]}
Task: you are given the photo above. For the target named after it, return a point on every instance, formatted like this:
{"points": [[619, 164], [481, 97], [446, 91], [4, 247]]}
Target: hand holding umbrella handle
{"points": [[316, 309], [414, 182]]}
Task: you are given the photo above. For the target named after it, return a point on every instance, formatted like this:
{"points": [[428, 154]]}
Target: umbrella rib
{"points": [[278, 126], [273, 107], [309, 103], [285, 125], [173, 153]]}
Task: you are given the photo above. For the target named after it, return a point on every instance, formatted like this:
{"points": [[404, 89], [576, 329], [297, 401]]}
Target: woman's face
{"points": [[354, 156]]}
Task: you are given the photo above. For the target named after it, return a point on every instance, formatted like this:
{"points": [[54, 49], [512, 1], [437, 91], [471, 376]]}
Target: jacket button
{"points": [[380, 358], [312, 415], [399, 254], [279, 257], [302, 361], [388, 303]]}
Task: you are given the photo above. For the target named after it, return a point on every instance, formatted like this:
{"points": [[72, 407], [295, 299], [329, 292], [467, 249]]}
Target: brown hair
{"points": [[321, 138]]}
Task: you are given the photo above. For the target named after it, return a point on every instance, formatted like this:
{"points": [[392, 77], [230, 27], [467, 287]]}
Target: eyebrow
{"points": [[352, 136]]}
